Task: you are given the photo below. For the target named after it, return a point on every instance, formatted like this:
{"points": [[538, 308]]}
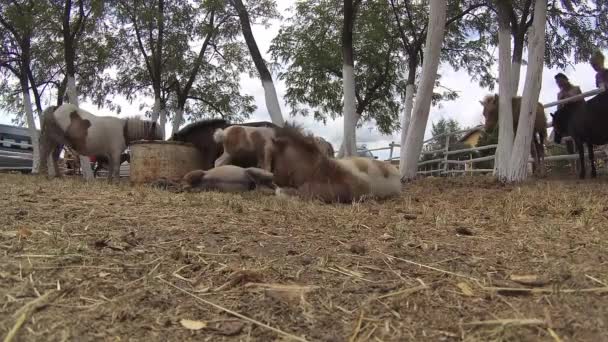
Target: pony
{"points": [[255, 141], [200, 134], [89, 134], [302, 170], [587, 123], [325, 146], [490, 113], [227, 178]]}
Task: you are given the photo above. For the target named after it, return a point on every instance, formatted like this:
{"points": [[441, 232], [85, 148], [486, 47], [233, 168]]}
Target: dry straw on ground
{"points": [[451, 259]]}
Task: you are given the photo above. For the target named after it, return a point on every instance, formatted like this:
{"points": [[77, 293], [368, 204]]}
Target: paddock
{"points": [[450, 259]]}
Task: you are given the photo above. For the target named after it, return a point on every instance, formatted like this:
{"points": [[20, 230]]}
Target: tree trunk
{"points": [[415, 135], [156, 108], [348, 81], [405, 124], [177, 119], [536, 47], [505, 115], [270, 94], [518, 51], [162, 121], [31, 124]]}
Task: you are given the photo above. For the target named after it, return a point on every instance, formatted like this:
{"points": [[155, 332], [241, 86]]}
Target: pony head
{"points": [[560, 123], [490, 111], [294, 154]]}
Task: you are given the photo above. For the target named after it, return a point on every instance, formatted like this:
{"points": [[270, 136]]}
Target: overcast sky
{"points": [[466, 109]]}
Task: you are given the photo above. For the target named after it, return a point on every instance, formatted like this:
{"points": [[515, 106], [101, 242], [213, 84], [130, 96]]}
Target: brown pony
{"points": [[301, 169], [490, 113]]}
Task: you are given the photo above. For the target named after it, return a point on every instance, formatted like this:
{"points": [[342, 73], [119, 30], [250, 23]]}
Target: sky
{"points": [[466, 109]]}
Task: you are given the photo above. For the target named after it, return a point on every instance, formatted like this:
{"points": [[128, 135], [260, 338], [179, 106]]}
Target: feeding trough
{"points": [[153, 159]]}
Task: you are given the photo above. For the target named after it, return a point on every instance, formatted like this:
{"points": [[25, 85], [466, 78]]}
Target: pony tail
{"points": [[218, 135]]}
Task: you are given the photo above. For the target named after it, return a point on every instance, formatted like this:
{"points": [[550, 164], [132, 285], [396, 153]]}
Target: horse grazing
{"points": [[587, 123], [537, 148], [200, 134], [301, 169], [89, 134], [227, 178]]}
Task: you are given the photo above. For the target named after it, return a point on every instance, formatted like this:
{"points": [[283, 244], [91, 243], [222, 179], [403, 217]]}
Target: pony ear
{"points": [[86, 123], [481, 102], [552, 115]]}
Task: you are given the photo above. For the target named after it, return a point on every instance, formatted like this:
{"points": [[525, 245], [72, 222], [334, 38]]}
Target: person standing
{"points": [[566, 89], [601, 73]]}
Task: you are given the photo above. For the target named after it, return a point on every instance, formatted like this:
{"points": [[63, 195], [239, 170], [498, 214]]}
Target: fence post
{"points": [[390, 156], [445, 154]]}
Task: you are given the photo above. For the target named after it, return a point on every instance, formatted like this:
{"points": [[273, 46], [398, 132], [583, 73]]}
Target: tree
{"points": [[415, 135], [348, 71], [536, 46], [18, 23], [310, 46], [270, 93], [505, 115]]}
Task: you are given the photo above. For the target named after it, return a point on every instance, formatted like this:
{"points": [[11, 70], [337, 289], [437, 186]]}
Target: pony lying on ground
{"points": [[254, 141], [587, 123], [89, 134], [490, 113], [301, 169], [325, 146], [200, 134], [228, 178]]}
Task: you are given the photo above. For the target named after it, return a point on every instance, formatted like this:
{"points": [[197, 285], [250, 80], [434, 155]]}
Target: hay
{"points": [[411, 275]]}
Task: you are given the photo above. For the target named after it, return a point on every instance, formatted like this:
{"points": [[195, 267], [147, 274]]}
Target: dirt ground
{"points": [[460, 259]]}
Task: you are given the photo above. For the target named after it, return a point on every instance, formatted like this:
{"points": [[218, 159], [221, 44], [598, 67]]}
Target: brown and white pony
{"points": [[89, 134], [301, 169], [236, 140], [228, 178], [537, 148]]}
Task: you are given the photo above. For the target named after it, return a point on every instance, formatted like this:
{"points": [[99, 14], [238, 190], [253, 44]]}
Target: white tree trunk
{"points": [[31, 124], [350, 116], [177, 119], [163, 120], [422, 106], [156, 109], [405, 124], [272, 103], [505, 85], [515, 76], [85, 162], [536, 46]]}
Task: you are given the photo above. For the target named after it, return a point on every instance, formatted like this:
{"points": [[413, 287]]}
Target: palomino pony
{"points": [[490, 113], [301, 169], [89, 134], [587, 123], [200, 134]]}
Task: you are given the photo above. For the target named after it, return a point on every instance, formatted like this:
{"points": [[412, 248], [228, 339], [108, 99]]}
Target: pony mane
{"points": [[199, 124], [296, 135]]}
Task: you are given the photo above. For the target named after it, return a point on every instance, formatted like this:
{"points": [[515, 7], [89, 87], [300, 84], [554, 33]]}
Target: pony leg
{"points": [[224, 159], [592, 160], [581, 157], [56, 154], [43, 168]]}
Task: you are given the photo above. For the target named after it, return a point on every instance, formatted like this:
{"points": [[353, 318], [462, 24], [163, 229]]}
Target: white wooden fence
{"points": [[467, 166]]}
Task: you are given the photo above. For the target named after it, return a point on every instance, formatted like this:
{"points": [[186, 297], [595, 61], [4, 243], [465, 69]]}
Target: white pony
{"points": [[89, 134]]}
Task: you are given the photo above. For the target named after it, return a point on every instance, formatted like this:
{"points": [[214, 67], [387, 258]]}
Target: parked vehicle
{"points": [[15, 148]]}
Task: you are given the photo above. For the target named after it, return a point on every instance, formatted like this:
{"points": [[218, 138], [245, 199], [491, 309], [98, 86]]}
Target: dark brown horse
{"points": [[200, 134], [587, 123]]}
